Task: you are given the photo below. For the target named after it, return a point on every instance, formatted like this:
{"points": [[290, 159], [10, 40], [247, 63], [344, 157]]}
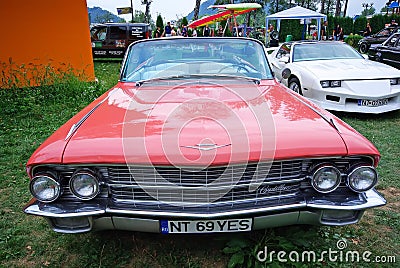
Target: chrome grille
{"points": [[218, 185]]}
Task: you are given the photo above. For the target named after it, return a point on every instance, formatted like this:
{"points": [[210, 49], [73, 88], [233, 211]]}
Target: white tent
{"points": [[296, 13]]}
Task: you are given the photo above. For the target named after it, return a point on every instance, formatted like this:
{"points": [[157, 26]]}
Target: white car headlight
{"points": [[331, 83], [362, 178], [45, 188], [326, 179], [394, 81], [84, 185]]}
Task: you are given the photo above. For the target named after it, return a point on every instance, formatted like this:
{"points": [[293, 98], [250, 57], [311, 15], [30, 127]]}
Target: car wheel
{"points": [[294, 84], [363, 47]]}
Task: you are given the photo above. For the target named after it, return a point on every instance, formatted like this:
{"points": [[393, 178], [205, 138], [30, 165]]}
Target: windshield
{"points": [[324, 51], [195, 57]]}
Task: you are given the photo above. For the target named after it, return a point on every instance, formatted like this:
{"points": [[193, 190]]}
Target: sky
{"points": [[171, 9]]}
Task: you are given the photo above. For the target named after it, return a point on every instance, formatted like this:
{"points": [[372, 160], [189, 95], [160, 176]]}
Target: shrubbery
{"points": [[353, 39]]}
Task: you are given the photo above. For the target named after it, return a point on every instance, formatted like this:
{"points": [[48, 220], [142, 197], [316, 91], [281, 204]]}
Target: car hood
{"points": [[349, 69], [195, 123]]}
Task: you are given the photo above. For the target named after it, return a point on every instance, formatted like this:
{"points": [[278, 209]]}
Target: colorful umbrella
{"points": [[226, 12]]}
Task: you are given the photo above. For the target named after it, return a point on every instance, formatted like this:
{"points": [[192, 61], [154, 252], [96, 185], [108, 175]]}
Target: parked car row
{"points": [[370, 41], [336, 77], [388, 52]]}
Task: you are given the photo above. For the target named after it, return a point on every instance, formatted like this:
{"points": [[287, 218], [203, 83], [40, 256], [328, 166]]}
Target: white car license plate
{"points": [[205, 226], [373, 103]]}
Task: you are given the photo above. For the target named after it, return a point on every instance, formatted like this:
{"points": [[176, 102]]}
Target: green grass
{"points": [[28, 116]]}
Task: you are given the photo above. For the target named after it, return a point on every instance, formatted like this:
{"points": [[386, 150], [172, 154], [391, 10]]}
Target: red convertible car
{"points": [[198, 136]]}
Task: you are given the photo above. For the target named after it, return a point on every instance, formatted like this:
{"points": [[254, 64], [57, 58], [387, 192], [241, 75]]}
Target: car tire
{"points": [[363, 48], [294, 84]]}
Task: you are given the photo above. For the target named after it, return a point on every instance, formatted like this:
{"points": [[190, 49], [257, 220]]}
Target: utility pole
{"points": [[132, 9]]}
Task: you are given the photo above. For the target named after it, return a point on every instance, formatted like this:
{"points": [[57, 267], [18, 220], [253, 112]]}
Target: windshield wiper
{"points": [[141, 82]]}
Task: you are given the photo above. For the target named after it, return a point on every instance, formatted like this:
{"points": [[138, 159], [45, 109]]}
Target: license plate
{"points": [[205, 226], [373, 103]]}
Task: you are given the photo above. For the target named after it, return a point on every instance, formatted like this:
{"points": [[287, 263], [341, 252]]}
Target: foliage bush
{"points": [[353, 39]]}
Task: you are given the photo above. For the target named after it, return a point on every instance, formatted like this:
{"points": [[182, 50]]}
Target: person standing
{"points": [[157, 33], [167, 30], [368, 30], [338, 33], [194, 33], [324, 31], [206, 31], [178, 31], [220, 31], [184, 31]]}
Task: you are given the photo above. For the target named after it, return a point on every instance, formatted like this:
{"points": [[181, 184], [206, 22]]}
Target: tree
{"points": [[184, 21], [196, 10], [160, 22], [338, 8], [147, 16], [139, 16], [368, 9], [103, 18], [322, 7], [345, 7]]}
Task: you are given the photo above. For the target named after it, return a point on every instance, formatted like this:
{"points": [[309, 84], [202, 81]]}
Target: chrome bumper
{"points": [[311, 211]]}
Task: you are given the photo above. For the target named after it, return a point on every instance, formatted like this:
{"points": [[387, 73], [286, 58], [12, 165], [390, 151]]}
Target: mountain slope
{"points": [[99, 15]]}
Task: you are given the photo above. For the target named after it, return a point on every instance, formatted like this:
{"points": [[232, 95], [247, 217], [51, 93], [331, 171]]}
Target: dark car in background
{"points": [[378, 38], [388, 52], [110, 40]]}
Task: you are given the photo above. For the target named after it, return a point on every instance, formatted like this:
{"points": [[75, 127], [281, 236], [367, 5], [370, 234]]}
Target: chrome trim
{"points": [[34, 209], [152, 186], [75, 126], [206, 147], [311, 158], [371, 198], [193, 204], [207, 215]]}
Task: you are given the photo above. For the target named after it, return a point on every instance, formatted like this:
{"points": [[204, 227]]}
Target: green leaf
{"points": [[230, 250], [238, 242], [236, 259]]}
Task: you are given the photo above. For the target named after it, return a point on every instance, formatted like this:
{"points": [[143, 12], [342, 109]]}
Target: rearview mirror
{"points": [[286, 73]]}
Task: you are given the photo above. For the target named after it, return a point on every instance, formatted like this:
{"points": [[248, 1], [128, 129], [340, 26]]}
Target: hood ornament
{"points": [[206, 146]]}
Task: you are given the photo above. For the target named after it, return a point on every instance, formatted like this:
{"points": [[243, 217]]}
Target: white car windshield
{"points": [[185, 57], [323, 51]]}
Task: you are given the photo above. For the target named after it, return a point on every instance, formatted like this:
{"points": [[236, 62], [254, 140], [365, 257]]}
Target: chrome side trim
{"points": [[75, 126]]}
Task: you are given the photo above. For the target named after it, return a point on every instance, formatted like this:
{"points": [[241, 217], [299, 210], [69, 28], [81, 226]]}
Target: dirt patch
{"points": [[392, 195]]}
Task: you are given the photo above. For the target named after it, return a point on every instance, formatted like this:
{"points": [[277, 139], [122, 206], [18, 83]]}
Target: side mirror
{"points": [[286, 73], [284, 59]]}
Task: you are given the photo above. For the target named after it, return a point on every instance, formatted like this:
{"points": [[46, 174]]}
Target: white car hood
{"points": [[345, 69]]}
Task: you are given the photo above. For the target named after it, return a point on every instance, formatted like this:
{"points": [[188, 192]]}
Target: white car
{"points": [[336, 77]]}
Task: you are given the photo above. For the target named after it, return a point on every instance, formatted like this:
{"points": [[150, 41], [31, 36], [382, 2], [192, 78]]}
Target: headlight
{"points": [[394, 81], [84, 185], [331, 83], [326, 179], [45, 188], [362, 178]]}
